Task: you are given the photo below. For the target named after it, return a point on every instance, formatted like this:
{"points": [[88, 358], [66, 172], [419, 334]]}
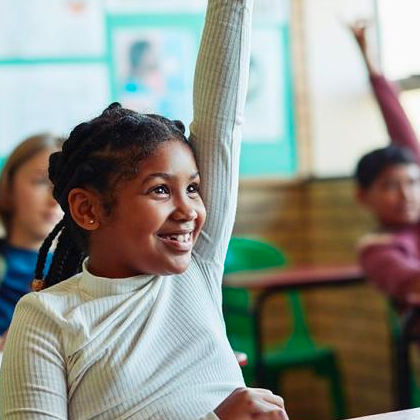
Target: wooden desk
{"points": [[272, 281], [295, 277], [413, 414]]}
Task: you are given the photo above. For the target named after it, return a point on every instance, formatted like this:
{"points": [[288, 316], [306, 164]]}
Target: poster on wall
{"points": [[154, 70], [33, 29], [265, 106], [48, 98], [160, 6]]}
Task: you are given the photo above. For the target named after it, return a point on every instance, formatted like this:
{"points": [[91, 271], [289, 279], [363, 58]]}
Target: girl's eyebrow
{"points": [[167, 176]]}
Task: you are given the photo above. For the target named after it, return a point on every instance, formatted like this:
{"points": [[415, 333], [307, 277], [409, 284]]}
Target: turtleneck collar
{"points": [[103, 286]]}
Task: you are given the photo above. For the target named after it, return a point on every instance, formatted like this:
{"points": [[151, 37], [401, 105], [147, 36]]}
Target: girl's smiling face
{"points": [[155, 221]]}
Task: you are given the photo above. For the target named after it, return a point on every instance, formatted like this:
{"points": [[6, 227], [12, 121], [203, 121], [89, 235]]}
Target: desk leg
{"points": [[259, 350], [403, 374], [404, 392]]}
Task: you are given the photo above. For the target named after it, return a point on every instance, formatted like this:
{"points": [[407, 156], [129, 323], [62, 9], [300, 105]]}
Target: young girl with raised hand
{"points": [[28, 212], [139, 333]]}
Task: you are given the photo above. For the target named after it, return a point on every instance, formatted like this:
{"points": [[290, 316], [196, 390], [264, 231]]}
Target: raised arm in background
{"points": [[398, 125]]}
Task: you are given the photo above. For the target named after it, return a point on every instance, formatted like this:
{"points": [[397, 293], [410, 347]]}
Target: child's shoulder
{"points": [[54, 300]]}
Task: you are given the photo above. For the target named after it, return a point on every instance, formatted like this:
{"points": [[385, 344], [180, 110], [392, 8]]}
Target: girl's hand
{"points": [[250, 404]]}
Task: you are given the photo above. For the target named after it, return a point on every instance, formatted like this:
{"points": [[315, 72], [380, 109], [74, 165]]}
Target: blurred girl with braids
{"points": [[136, 330], [28, 212]]}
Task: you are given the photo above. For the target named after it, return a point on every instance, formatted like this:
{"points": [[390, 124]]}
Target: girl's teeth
{"points": [[180, 238]]}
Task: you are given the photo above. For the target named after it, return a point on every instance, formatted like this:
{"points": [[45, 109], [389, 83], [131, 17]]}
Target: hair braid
{"points": [[74, 263], [62, 265], [38, 282]]}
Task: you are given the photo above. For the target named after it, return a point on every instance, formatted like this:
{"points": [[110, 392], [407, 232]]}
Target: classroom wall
{"points": [[311, 220], [345, 122]]}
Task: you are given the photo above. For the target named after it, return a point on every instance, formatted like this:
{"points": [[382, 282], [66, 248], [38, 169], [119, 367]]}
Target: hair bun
{"points": [[180, 126], [111, 108], [114, 105]]}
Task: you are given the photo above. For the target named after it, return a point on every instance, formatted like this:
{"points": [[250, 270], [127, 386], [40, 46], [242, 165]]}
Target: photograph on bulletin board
{"points": [[153, 68], [152, 58]]}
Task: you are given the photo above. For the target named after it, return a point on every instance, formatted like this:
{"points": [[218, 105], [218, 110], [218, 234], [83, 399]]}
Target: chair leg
{"points": [[329, 369], [408, 322], [403, 375], [271, 382]]}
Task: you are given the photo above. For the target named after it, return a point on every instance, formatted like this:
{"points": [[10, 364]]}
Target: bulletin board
{"points": [[65, 65]]}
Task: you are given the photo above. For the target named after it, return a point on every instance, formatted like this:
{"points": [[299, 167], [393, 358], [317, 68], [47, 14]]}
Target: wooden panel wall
{"points": [[310, 220], [318, 221]]}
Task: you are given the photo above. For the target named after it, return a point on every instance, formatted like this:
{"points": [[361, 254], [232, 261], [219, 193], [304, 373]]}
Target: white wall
{"points": [[345, 120]]}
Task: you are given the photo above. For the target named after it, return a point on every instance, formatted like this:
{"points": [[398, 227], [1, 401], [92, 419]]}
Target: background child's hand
{"points": [[252, 403], [358, 29]]}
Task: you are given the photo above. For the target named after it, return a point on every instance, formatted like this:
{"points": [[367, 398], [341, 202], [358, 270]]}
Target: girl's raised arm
{"points": [[220, 85]]}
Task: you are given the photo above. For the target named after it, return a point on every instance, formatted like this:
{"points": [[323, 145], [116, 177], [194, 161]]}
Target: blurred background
{"points": [[310, 115], [307, 82]]}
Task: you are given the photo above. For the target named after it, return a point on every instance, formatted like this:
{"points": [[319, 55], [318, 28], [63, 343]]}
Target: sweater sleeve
{"points": [[398, 125], [220, 83], [33, 375], [388, 266]]}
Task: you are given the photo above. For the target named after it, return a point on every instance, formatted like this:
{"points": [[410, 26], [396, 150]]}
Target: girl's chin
{"points": [[178, 268]]}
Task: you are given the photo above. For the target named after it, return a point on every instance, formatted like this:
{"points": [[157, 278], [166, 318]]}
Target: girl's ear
{"points": [[85, 208]]}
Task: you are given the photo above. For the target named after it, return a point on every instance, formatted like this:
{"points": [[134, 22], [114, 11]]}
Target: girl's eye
{"points": [[160, 189], [193, 188]]}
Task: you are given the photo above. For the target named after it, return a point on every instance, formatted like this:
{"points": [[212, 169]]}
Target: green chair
{"points": [[298, 351]]}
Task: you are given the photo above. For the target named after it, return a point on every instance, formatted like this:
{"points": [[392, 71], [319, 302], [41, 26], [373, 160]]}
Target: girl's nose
{"points": [[184, 211]]}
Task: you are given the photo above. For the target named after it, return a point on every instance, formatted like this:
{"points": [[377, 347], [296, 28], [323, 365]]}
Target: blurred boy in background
{"points": [[389, 185]]}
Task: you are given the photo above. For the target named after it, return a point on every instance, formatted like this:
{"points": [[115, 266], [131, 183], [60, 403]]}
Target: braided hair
{"points": [[98, 154]]}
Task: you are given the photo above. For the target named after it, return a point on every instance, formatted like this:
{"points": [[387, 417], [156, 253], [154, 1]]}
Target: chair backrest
{"points": [[249, 254]]}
